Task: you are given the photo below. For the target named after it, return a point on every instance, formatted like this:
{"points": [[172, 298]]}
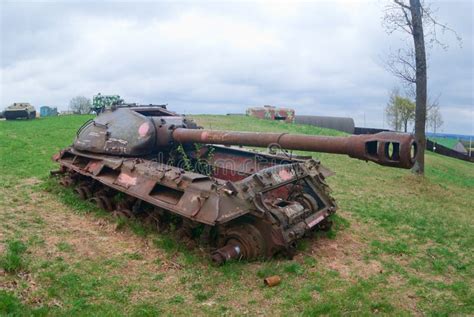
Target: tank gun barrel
{"points": [[384, 148]]}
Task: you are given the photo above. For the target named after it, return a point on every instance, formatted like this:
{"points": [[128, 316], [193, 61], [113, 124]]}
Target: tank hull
{"points": [[254, 210], [19, 114]]}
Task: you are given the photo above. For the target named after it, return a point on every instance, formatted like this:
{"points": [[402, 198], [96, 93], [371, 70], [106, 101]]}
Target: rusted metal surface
{"points": [[385, 148], [244, 204], [272, 280]]}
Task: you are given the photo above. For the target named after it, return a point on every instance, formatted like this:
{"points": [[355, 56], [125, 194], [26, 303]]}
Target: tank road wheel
{"points": [[242, 241], [158, 219], [122, 210], [153, 222], [80, 192], [83, 191], [124, 214], [103, 202]]}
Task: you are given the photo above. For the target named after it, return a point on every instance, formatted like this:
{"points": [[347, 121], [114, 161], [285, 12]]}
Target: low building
{"points": [[452, 144], [272, 113], [46, 111], [459, 147]]}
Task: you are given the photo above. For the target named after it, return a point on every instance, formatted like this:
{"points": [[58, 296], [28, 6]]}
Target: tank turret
{"points": [[138, 131]]}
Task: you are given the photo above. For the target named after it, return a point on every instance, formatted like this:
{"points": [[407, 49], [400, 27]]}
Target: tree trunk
{"points": [[406, 125], [421, 85]]}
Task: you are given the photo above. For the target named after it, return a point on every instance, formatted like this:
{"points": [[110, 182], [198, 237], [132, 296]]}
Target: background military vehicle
{"points": [[20, 110], [102, 102]]}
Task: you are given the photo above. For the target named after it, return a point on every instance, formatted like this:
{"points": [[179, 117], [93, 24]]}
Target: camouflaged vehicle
{"points": [[149, 163], [102, 102], [20, 110]]}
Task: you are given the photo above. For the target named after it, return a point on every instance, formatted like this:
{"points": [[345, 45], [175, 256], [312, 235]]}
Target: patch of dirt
{"points": [[86, 237], [345, 253], [93, 239], [22, 283], [31, 181]]}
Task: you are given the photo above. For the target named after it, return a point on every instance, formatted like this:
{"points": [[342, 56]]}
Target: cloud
{"points": [[319, 57]]}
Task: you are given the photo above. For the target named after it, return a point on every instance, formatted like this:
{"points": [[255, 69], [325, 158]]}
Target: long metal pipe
{"points": [[385, 148]]}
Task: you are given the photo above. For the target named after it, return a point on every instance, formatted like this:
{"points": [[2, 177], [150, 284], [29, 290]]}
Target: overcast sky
{"points": [[320, 57]]}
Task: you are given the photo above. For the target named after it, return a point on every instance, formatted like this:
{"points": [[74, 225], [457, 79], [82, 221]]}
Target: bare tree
{"points": [[416, 19], [435, 118], [392, 115], [80, 105], [400, 111]]}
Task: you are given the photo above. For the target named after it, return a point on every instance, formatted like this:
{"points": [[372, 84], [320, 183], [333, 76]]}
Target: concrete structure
{"points": [[272, 113]]}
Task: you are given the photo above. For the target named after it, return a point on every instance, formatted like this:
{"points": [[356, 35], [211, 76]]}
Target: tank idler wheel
{"points": [[242, 241], [308, 201], [103, 202]]}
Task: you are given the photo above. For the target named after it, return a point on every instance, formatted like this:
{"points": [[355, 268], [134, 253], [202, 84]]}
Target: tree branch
{"points": [[401, 4], [407, 20]]}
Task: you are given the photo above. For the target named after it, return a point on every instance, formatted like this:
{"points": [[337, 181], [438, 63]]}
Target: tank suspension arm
{"points": [[385, 148]]}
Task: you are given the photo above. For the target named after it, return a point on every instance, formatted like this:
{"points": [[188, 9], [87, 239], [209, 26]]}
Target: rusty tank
{"points": [[148, 162]]}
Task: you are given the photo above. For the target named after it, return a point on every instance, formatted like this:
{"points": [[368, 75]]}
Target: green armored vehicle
{"points": [[19, 110], [102, 102]]}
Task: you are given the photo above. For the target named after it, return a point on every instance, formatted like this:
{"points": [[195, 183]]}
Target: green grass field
{"points": [[401, 245]]}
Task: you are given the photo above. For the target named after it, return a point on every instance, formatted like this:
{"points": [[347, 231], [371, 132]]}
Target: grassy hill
{"points": [[447, 142], [402, 245]]}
